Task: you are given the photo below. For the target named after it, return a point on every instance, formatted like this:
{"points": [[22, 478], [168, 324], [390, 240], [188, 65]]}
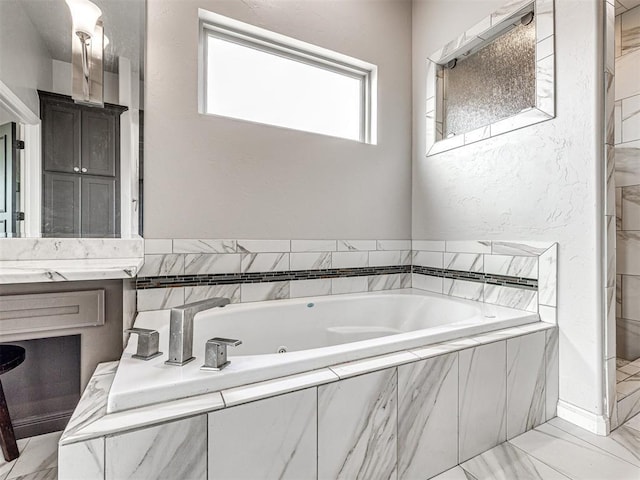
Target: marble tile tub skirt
{"points": [[417, 412]]}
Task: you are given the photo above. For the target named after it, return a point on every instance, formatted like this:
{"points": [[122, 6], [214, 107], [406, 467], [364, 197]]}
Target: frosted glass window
{"points": [[268, 86], [494, 83]]}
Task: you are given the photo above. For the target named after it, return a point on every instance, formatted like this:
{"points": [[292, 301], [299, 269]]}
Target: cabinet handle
{"points": [[84, 170], [76, 169]]}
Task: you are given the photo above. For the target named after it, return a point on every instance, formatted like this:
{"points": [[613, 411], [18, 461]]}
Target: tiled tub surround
{"points": [[411, 414], [544, 108], [627, 182], [315, 332], [180, 271]]}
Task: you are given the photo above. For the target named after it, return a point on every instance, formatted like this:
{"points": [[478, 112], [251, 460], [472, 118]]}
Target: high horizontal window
{"points": [[255, 75]]}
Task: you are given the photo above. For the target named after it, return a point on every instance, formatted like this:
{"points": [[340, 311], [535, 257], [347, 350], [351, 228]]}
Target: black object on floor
{"points": [[10, 357]]}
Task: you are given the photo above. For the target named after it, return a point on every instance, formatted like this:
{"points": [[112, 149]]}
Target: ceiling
{"points": [[123, 23]]}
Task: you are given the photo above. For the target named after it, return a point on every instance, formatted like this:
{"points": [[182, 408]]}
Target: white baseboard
{"points": [[598, 424]]}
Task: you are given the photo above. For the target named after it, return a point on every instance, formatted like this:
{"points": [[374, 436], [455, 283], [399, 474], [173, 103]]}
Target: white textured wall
{"points": [[537, 183], [213, 177], [25, 63]]}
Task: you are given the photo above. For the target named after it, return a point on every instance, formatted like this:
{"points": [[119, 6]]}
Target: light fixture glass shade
{"points": [[84, 14]]}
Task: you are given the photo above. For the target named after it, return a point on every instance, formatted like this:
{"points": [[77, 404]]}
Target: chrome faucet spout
{"points": [[181, 329]]}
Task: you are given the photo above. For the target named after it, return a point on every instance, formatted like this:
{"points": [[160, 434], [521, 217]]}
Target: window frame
{"points": [[234, 31]]}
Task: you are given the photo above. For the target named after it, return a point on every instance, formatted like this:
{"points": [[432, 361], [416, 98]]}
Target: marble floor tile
{"points": [[507, 462], [41, 453], [6, 467], [456, 473], [427, 417], [572, 456], [623, 442], [49, 474], [357, 427], [634, 422]]}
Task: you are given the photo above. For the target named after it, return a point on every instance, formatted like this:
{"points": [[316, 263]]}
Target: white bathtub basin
{"points": [[316, 332]]}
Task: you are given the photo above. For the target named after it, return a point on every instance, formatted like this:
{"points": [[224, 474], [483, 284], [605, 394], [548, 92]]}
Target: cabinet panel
{"points": [[61, 205], [61, 136], [100, 215], [100, 142]]}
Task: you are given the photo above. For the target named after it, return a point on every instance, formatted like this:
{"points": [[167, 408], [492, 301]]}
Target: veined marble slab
{"points": [[12, 249], [31, 271]]}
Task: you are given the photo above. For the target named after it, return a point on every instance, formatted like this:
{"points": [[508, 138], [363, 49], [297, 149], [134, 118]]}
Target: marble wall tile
{"points": [[158, 246], [159, 298], [349, 259], [628, 407], [544, 19], [619, 295], [610, 250], [525, 383], [630, 31], [610, 323], [548, 314], [162, 265], [367, 365], [468, 246], [428, 259], [631, 297], [427, 417], [349, 285], [426, 282], [357, 427], [610, 207], [310, 261], [262, 246], [626, 76], [257, 292], [152, 452], [627, 338], [521, 249], [463, 289], [530, 116], [271, 439], [209, 263], [545, 47], [628, 252], [515, 266], [467, 262], [507, 9], [627, 164], [552, 373], [389, 282], [389, 257], [617, 35], [482, 402], [631, 118], [393, 244], [181, 245], [476, 135], [519, 298], [508, 462], [314, 245], [92, 404], [630, 204], [572, 456], [310, 288], [356, 245], [619, 208], [609, 37], [545, 85], [617, 122], [195, 294], [264, 262], [82, 460], [428, 245], [548, 277]]}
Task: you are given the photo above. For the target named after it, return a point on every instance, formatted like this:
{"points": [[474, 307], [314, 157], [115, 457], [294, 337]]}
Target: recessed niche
{"points": [[496, 77]]}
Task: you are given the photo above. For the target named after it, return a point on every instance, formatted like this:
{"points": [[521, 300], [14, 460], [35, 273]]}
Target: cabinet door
{"points": [[100, 142], [100, 214], [61, 205], [61, 135]]}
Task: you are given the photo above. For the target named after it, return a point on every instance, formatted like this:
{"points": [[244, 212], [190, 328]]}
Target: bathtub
{"points": [[286, 337]]}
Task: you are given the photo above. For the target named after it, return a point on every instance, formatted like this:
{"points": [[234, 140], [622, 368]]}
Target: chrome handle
{"points": [[215, 353], [148, 343], [84, 170], [76, 169]]}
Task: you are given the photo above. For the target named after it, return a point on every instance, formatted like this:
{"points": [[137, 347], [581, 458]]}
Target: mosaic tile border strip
{"points": [[492, 279], [266, 277]]}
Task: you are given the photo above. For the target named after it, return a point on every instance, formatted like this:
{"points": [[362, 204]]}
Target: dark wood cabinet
{"points": [[81, 168]]}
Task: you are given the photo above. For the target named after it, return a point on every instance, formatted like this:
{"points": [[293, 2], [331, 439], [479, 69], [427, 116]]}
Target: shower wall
{"points": [[627, 178]]}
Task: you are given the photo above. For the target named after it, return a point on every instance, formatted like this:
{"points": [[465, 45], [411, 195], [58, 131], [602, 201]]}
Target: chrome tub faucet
{"points": [[181, 329]]}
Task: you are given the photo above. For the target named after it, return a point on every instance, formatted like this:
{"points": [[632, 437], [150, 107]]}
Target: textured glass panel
{"points": [[493, 83]]}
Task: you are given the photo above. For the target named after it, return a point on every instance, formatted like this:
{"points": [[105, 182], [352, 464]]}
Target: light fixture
{"points": [[87, 52]]}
